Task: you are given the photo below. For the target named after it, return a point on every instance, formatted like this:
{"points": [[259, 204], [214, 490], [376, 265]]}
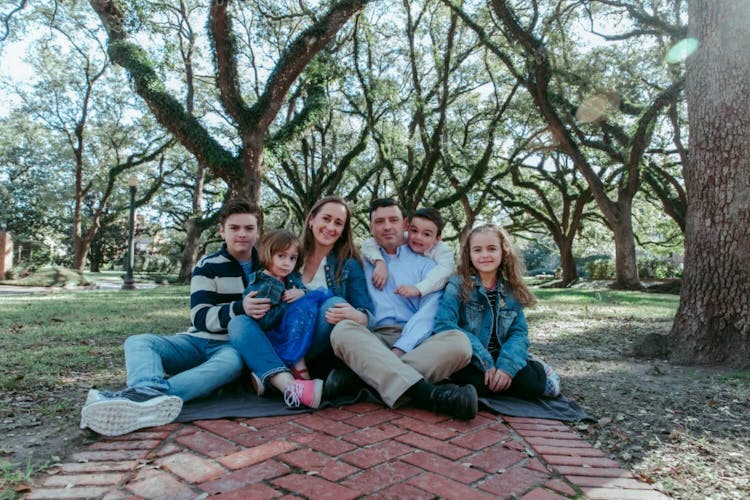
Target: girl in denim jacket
{"points": [[485, 300]]}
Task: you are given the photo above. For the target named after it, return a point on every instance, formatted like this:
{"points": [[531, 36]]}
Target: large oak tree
{"points": [[713, 321], [242, 169]]}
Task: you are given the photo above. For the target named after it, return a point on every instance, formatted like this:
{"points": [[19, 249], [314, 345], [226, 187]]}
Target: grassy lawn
{"points": [[55, 276], [52, 340], [56, 346]]}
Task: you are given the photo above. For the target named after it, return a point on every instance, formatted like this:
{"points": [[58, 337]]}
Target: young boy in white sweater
{"points": [[423, 232]]}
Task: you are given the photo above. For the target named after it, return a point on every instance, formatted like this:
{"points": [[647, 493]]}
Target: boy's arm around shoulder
{"points": [[370, 251], [438, 276]]}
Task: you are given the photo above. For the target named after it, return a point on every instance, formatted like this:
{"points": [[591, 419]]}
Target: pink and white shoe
{"points": [[303, 392]]}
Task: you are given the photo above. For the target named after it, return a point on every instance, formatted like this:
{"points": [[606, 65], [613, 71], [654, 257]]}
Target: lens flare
{"points": [[597, 107], [681, 50]]}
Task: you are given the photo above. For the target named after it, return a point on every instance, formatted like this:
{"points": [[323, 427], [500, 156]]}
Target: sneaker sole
{"points": [[317, 394], [118, 417], [91, 398]]}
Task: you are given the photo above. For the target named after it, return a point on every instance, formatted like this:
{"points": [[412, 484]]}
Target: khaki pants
{"points": [[369, 355]]}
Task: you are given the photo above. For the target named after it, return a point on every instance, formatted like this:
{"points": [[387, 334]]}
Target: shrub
{"points": [[540, 271], [600, 269], [656, 268], [154, 264]]}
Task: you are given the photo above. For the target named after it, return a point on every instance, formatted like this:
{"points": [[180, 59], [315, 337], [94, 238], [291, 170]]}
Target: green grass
{"points": [[601, 305], [50, 276], [13, 478], [55, 276], [49, 339]]}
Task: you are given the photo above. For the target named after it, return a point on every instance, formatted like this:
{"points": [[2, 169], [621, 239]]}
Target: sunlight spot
{"points": [[597, 107], [681, 50]]}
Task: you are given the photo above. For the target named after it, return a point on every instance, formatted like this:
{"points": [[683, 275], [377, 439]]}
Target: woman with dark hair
{"points": [[330, 262]]}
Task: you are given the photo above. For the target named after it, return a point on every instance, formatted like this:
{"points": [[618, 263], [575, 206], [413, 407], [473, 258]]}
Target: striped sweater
{"points": [[216, 294]]}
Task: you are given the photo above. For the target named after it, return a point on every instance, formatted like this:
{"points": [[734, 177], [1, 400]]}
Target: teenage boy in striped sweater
{"points": [[197, 361]]}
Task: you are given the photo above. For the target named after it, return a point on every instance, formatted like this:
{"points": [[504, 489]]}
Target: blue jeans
{"points": [[198, 366], [257, 351]]}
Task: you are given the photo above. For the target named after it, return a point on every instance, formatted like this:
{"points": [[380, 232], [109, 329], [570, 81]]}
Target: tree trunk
{"points": [[80, 254], [567, 262], [626, 268], [713, 320], [96, 256], [192, 250]]}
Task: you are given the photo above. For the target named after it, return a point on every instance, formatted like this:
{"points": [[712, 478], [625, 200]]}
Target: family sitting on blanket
{"points": [[391, 346]]}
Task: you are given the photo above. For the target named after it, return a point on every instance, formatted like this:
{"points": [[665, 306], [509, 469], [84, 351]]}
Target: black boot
{"points": [[458, 402], [342, 382]]}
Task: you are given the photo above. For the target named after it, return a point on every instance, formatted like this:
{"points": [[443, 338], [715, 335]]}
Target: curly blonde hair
{"points": [[511, 265]]}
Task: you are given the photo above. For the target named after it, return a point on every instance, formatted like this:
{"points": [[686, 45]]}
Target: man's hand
{"points": [[344, 310], [380, 274], [254, 307], [408, 291], [497, 380], [398, 352], [292, 294]]}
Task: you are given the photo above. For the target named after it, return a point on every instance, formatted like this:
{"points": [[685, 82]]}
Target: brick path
{"points": [[363, 450]]}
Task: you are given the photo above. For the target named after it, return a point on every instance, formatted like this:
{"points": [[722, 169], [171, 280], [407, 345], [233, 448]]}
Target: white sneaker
{"points": [[116, 413], [552, 385], [258, 386]]}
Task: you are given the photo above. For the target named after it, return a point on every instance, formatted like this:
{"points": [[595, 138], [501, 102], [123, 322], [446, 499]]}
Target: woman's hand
{"points": [[344, 310], [497, 380], [254, 307], [292, 294]]}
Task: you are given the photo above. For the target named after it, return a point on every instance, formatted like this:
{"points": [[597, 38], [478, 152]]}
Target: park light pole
{"points": [[129, 283]]}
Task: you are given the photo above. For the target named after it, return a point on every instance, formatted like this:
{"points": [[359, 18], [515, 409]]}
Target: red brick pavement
{"points": [[363, 450]]}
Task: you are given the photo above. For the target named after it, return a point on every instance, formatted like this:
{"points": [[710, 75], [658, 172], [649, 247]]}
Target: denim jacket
{"points": [[351, 286], [474, 318], [272, 288]]}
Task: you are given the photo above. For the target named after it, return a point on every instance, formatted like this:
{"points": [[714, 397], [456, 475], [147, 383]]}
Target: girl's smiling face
{"points": [[486, 252]]}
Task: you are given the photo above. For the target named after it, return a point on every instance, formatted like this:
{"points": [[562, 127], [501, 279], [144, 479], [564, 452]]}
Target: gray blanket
{"points": [[235, 401]]}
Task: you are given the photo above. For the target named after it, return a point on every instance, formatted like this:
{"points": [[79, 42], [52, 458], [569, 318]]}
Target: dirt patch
{"points": [[36, 438], [686, 430]]}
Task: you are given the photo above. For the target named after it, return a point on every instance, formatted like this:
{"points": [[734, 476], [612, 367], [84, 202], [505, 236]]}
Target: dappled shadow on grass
{"points": [[44, 336], [602, 297], [686, 428]]}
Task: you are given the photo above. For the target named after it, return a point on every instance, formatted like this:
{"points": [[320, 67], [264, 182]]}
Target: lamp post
{"points": [[129, 284]]}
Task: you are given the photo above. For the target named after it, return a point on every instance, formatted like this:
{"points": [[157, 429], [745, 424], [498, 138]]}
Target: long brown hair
{"points": [[344, 246], [511, 266]]}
